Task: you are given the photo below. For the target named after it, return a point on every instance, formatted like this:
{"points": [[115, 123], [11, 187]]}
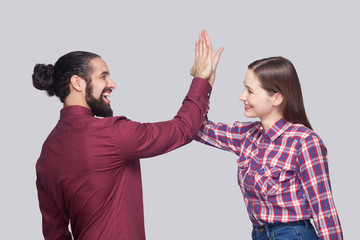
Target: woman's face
{"points": [[258, 102]]}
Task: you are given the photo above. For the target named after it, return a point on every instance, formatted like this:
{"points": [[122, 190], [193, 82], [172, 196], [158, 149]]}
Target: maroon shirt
{"points": [[89, 170]]}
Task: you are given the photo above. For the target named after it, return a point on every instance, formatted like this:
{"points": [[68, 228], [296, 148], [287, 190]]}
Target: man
{"points": [[88, 172]]}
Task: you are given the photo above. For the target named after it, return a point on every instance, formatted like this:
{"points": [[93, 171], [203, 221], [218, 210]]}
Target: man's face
{"points": [[98, 90]]}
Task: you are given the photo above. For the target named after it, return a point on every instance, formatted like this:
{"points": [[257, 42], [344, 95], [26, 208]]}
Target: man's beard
{"points": [[98, 106]]}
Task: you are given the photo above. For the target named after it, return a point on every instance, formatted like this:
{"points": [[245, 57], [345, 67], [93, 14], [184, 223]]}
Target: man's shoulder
{"points": [[83, 123], [111, 120], [87, 121], [83, 126]]}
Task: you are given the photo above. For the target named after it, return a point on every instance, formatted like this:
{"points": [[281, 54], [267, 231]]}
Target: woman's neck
{"points": [[268, 121]]}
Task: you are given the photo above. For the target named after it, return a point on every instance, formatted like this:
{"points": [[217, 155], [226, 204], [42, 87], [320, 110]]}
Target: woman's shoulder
{"points": [[302, 132]]}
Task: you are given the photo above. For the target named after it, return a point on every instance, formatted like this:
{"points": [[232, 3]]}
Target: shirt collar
{"points": [[277, 129], [75, 110]]}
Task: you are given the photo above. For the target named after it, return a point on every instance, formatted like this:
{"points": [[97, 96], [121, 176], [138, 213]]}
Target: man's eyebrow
{"points": [[104, 73]]}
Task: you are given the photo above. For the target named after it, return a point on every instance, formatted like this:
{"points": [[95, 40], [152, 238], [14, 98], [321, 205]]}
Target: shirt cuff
{"points": [[201, 86]]}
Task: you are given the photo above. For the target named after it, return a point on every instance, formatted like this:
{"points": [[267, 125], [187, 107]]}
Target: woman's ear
{"points": [[278, 99]]}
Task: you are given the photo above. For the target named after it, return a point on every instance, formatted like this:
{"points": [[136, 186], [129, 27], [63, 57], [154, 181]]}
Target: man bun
{"points": [[55, 79], [43, 78]]}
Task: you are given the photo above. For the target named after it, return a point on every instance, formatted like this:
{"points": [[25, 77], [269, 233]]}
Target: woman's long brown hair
{"points": [[278, 75]]}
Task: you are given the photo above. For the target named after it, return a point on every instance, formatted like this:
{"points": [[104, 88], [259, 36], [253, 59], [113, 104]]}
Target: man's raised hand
{"points": [[205, 60]]}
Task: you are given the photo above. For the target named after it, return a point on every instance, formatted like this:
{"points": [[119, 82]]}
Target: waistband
{"points": [[277, 224]]}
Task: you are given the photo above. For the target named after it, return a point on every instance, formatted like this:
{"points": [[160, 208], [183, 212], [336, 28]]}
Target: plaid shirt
{"points": [[282, 172]]}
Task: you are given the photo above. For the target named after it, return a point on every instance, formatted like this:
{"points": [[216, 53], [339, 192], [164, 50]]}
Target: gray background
{"points": [[190, 193]]}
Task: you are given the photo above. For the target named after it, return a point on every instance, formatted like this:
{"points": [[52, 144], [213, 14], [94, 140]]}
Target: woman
{"points": [[282, 165]]}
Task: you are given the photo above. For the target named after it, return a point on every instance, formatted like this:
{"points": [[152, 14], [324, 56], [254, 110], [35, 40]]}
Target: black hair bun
{"points": [[42, 78]]}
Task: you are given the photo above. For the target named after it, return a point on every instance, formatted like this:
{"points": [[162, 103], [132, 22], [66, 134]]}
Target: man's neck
{"points": [[75, 100]]}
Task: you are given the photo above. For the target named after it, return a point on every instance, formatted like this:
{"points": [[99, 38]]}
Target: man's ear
{"points": [[77, 83], [278, 99]]}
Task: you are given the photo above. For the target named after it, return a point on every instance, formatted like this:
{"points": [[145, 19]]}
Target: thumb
{"points": [[192, 71], [217, 57]]}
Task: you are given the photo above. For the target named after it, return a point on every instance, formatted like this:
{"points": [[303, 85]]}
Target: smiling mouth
{"points": [[247, 107], [106, 94], [106, 97]]}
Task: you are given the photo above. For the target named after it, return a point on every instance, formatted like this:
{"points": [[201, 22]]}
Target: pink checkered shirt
{"points": [[282, 172]]}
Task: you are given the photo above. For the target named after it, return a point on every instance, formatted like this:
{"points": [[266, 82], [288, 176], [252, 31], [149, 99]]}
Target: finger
{"points": [[210, 51], [218, 54], [202, 47], [206, 47], [196, 49], [199, 46], [202, 34], [199, 49], [207, 38]]}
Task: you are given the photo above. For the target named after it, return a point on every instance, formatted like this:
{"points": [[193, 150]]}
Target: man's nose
{"points": [[111, 84]]}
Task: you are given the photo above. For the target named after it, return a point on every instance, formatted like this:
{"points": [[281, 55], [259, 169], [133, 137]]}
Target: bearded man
{"points": [[88, 172]]}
